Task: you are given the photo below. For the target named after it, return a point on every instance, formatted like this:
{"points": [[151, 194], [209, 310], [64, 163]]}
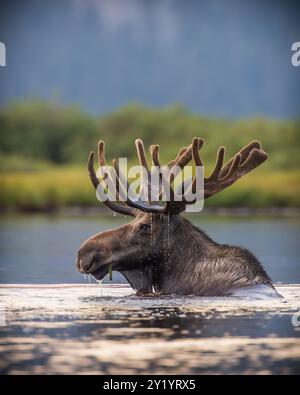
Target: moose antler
{"points": [[118, 208], [129, 207], [221, 177], [242, 163]]}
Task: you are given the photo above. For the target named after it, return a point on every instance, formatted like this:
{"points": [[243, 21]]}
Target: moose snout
{"points": [[93, 256], [84, 264]]}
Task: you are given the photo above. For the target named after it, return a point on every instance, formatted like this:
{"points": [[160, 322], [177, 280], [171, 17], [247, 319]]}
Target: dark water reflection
{"points": [[42, 249], [143, 327], [178, 325]]}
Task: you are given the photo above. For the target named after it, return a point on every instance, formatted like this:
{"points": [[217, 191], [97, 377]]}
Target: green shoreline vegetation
{"points": [[44, 149]]}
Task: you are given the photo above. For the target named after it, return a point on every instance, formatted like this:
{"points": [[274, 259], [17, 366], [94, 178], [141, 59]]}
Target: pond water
{"points": [[42, 249], [79, 329], [88, 329]]}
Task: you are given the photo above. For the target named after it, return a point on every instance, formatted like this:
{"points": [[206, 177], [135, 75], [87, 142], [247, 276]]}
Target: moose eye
{"points": [[144, 227]]}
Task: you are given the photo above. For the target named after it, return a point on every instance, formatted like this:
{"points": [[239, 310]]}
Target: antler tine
{"points": [[219, 163], [185, 157], [255, 158], [196, 146], [194, 149], [141, 154], [121, 190], [182, 161], [101, 155], [143, 162], [154, 151], [180, 153], [101, 158], [91, 170], [95, 181], [234, 165]]}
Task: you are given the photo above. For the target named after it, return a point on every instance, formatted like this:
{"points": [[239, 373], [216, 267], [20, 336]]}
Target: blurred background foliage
{"points": [[44, 148]]}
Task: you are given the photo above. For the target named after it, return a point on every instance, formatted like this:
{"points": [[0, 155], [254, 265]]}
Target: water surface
{"points": [[84, 329]]}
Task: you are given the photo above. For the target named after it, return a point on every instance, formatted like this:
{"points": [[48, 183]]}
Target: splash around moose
{"points": [[161, 252]]}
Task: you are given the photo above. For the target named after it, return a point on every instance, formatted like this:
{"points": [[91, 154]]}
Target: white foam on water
{"points": [[257, 292], [73, 297]]}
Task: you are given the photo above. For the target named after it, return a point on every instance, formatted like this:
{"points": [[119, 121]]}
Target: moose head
{"points": [[161, 251]]}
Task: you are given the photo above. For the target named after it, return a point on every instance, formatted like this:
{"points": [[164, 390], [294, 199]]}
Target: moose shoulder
{"points": [[163, 252]]}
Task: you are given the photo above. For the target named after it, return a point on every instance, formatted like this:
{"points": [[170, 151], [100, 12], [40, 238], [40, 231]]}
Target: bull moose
{"points": [[161, 252]]}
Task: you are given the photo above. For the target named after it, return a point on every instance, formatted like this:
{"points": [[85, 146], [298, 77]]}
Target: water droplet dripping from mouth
{"points": [[100, 285]]}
